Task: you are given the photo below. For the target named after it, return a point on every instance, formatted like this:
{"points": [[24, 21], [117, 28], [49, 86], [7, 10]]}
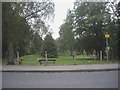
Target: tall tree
{"points": [[91, 19], [49, 45], [38, 15], [36, 43], [66, 34], [118, 22], [90, 22], [13, 29], [19, 18]]}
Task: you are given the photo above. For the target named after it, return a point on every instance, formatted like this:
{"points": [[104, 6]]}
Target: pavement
{"points": [[61, 68]]}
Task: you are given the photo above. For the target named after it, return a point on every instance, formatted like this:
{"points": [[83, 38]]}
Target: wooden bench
{"points": [[20, 61], [40, 60]]}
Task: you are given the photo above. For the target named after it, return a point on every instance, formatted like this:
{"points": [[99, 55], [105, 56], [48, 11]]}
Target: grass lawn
{"points": [[61, 60]]}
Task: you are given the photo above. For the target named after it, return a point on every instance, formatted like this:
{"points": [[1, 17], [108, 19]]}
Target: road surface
{"points": [[105, 79]]}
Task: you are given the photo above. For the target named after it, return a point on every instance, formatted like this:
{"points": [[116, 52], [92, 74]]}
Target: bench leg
{"points": [[40, 62]]}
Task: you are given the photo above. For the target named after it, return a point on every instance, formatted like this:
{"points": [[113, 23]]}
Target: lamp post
{"points": [[107, 36]]}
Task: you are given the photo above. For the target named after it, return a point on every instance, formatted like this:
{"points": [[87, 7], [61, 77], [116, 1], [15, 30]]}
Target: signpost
{"points": [[107, 36]]}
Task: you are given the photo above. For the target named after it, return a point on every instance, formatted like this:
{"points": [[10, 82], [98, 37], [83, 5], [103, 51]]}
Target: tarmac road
{"points": [[104, 79]]}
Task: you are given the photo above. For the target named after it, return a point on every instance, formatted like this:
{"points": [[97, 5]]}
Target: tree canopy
{"points": [[89, 23], [49, 45], [21, 20]]}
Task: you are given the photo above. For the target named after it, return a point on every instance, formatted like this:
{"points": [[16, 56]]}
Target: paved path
{"points": [[65, 68]]}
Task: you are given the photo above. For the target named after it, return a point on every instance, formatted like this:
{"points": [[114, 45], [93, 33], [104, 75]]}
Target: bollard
{"points": [[100, 55], [18, 58], [46, 58], [74, 54]]}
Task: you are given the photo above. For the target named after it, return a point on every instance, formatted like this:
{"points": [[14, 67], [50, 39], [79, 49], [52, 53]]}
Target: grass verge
{"points": [[61, 60]]}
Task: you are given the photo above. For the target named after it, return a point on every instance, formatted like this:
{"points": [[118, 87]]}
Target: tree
{"points": [[66, 34], [92, 21], [36, 43], [118, 22], [17, 18], [49, 46], [93, 25], [37, 14], [13, 29]]}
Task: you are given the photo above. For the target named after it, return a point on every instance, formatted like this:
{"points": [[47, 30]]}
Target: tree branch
{"points": [[36, 11]]}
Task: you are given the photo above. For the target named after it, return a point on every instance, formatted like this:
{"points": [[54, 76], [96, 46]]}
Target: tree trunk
{"points": [[10, 54]]}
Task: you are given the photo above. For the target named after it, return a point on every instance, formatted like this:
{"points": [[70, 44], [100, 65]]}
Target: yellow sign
{"points": [[107, 36]]}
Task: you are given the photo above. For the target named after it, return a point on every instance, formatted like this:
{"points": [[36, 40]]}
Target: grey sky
{"points": [[61, 7]]}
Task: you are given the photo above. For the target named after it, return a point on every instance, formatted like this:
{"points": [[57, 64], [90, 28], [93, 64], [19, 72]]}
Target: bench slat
{"points": [[43, 59]]}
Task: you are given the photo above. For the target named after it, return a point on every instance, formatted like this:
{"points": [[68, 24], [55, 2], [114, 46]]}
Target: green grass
{"points": [[30, 60], [61, 60], [4, 61], [64, 60]]}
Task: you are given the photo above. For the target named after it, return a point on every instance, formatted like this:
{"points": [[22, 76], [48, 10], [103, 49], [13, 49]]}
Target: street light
{"points": [[107, 36]]}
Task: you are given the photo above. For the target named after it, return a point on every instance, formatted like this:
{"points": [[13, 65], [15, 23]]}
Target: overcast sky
{"points": [[61, 8]]}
